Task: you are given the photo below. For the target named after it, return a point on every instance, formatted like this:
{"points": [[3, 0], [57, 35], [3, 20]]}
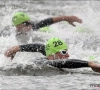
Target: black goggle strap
{"points": [[26, 23]]}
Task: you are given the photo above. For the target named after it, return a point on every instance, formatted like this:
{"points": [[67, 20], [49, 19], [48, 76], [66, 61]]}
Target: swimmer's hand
{"points": [[12, 51], [72, 19]]}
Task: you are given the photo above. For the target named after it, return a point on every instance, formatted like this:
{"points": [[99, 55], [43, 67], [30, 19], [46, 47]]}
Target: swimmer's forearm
{"points": [[69, 19]]}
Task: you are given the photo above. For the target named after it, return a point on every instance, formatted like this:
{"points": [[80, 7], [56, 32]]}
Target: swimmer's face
{"points": [[24, 27], [59, 55]]}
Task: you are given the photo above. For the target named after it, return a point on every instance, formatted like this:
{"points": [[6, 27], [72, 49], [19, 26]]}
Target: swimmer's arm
{"points": [[33, 48], [69, 19], [49, 21], [25, 48], [43, 23], [69, 63]]}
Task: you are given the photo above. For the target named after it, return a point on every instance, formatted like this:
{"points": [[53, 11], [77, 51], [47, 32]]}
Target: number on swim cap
{"points": [[57, 43]]}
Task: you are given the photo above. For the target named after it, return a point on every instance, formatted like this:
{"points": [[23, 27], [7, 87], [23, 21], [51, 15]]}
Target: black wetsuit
{"points": [[43, 23], [69, 63]]}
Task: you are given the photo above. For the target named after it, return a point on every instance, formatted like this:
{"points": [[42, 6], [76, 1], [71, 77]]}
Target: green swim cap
{"points": [[55, 45], [19, 17]]}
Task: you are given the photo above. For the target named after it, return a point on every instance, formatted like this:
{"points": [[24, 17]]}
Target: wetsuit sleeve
{"points": [[33, 48], [42, 23], [69, 63]]}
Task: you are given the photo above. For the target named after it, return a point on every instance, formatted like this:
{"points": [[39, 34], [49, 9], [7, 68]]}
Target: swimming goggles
{"points": [[63, 52]]}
